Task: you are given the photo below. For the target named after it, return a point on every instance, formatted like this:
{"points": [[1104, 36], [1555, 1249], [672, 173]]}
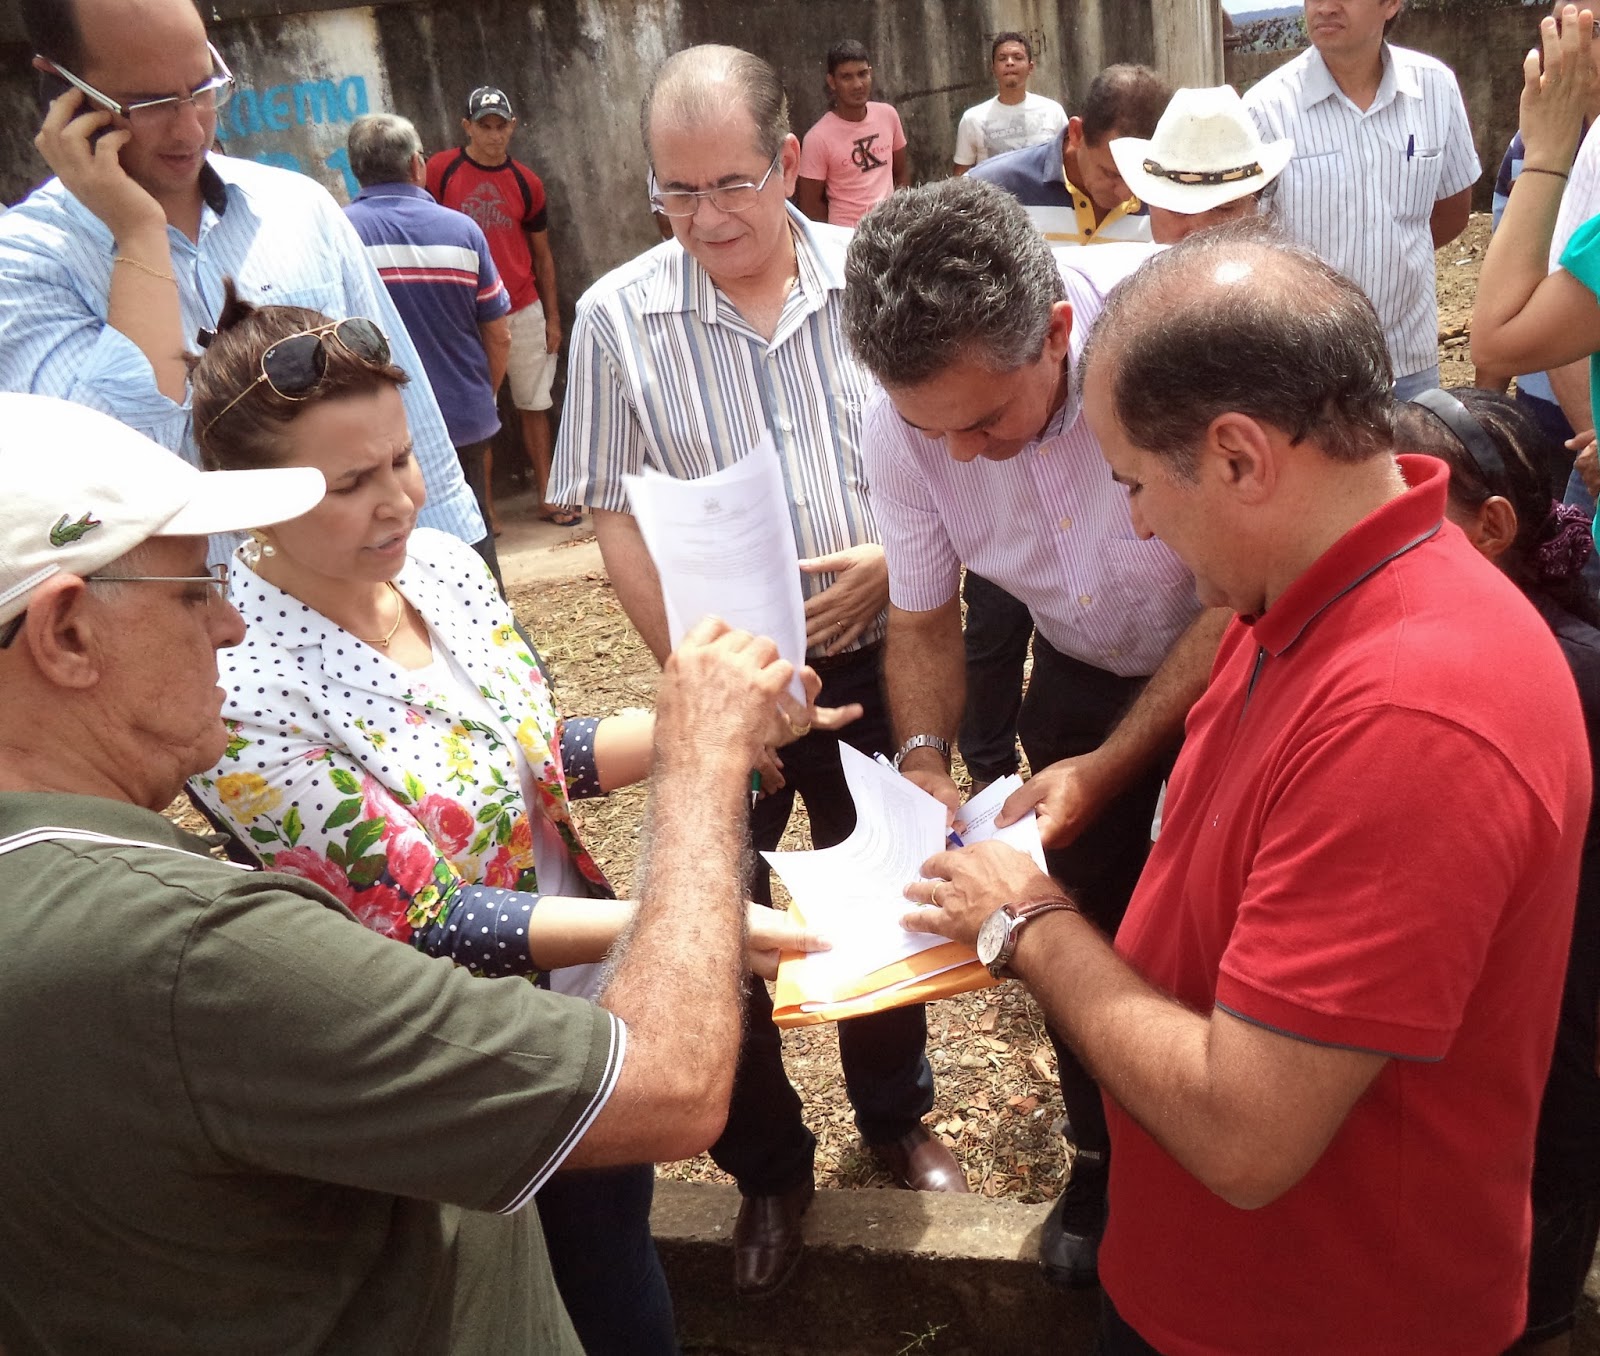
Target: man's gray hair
{"points": [[1235, 319], [702, 85], [953, 271], [381, 146]]}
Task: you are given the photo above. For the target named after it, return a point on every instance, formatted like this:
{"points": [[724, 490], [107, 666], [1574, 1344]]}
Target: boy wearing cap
{"points": [[1205, 164], [507, 200]]}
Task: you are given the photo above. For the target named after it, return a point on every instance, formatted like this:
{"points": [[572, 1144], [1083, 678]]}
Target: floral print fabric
{"points": [[351, 772]]}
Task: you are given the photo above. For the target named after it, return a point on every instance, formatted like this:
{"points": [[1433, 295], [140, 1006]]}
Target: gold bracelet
{"points": [[144, 268]]}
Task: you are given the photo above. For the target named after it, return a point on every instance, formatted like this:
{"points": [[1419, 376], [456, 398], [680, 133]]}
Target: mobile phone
{"points": [[52, 87]]}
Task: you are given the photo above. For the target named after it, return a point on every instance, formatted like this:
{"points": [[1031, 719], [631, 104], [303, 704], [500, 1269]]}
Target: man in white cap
{"points": [[234, 1117], [1205, 164]]}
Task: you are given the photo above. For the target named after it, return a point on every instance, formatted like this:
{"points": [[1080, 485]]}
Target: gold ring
{"points": [[934, 898], [798, 728]]}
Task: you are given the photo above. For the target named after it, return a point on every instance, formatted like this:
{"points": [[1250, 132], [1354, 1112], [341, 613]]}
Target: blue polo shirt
{"points": [[435, 263], [1062, 211]]}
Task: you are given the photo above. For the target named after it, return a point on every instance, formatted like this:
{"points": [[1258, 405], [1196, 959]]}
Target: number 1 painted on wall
{"points": [[340, 160]]}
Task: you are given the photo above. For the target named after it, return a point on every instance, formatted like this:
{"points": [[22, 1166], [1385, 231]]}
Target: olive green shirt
{"points": [[235, 1120]]}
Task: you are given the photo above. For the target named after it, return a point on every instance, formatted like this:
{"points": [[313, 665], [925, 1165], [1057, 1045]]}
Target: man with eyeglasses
{"points": [[112, 271], [235, 1119], [681, 360]]}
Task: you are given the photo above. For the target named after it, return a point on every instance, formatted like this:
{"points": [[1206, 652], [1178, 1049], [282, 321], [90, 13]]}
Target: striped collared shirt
{"points": [[283, 240], [1037, 177], [1049, 525], [1362, 185], [665, 372]]}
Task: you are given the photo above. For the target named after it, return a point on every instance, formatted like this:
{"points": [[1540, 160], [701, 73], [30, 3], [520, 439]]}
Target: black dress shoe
{"points": [[921, 1162], [1069, 1243], [767, 1241]]}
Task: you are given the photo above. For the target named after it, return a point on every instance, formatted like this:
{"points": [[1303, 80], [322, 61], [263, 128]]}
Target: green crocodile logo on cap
{"points": [[65, 533]]}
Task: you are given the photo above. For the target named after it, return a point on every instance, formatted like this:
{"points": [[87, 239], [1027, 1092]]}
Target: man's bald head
{"points": [[1238, 320], [62, 30], [702, 86]]}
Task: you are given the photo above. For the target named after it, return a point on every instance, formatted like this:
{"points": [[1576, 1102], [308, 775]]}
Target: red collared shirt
{"points": [[1371, 840]]}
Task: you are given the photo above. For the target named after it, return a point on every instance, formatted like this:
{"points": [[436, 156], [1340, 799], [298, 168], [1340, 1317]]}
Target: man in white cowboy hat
{"points": [[219, 1085], [1204, 165]]}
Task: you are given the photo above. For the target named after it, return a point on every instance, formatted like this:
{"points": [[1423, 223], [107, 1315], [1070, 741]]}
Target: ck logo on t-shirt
{"points": [[862, 157]]}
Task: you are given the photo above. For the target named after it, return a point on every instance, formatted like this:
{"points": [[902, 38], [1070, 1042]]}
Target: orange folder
{"points": [[940, 972]]}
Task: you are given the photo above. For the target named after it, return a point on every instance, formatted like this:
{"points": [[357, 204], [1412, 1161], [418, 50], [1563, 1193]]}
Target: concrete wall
{"points": [[1483, 41], [576, 70]]}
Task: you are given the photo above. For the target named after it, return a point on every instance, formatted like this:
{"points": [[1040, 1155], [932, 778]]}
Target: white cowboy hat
{"points": [[1206, 151]]}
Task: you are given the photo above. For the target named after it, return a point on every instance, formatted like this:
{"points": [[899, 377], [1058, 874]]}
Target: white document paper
{"points": [[724, 547], [975, 821], [853, 892]]}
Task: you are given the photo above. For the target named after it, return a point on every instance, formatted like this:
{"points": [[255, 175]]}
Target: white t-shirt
{"points": [[992, 127]]}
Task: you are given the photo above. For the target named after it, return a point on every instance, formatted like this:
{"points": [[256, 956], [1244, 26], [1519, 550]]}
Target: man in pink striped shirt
{"points": [[976, 455]]}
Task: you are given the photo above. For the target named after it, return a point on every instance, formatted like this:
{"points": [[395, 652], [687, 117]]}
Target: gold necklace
{"points": [[399, 615]]}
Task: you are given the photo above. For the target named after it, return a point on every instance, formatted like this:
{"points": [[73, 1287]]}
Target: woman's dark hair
{"points": [[1552, 540], [249, 435]]}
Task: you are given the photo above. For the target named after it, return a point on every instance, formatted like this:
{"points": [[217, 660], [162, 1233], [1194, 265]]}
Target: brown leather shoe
{"points": [[919, 1161], [767, 1241]]}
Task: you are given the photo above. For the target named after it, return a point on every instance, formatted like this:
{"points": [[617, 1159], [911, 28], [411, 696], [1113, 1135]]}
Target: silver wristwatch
{"points": [[923, 741], [1002, 930]]}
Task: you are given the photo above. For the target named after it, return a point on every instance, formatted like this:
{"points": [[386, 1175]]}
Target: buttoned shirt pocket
{"points": [[1419, 183]]}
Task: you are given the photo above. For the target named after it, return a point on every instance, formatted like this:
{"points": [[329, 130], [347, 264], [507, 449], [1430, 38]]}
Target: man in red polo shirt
{"points": [[1324, 1028]]}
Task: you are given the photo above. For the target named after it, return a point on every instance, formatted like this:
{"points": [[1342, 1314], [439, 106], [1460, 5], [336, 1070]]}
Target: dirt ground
{"points": [[1457, 264]]}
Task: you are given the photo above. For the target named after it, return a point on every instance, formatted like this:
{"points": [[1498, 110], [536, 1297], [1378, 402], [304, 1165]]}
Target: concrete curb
{"points": [[885, 1273]]}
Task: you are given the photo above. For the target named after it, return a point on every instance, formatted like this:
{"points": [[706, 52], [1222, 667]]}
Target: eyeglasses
{"points": [[210, 94], [295, 366], [683, 202], [216, 576]]}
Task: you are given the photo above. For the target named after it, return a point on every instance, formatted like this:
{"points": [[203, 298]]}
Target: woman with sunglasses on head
{"points": [[393, 739], [1500, 498]]}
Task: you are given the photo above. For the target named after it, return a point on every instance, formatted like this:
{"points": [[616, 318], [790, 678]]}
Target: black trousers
{"points": [[1069, 709], [766, 1146], [471, 456], [995, 638]]}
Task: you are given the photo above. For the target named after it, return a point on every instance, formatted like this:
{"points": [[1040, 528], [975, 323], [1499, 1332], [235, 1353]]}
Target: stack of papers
{"points": [[853, 893], [723, 546]]}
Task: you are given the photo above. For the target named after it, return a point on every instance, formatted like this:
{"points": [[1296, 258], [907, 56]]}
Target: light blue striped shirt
{"points": [[665, 372], [1362, 185], [284, 241]]}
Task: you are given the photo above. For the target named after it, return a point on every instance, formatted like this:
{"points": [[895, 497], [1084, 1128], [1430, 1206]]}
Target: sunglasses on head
{"points": [[295, 366]]}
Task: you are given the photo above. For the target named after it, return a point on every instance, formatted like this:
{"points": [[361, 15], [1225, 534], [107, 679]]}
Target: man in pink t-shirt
{"points": [[855, 153]]}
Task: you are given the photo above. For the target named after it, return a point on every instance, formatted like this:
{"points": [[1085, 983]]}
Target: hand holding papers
{"points": [[724, 546], [852, 893]]}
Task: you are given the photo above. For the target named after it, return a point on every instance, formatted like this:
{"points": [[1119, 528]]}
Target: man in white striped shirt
{"points": [[976, 456], [681, 360], [1382, 172]]}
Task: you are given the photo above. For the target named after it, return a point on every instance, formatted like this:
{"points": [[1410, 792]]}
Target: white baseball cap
{"points": [[78, 489], [1206, 152]]}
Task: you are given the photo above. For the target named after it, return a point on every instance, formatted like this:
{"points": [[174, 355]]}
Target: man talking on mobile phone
{"points": [[111, 271]]}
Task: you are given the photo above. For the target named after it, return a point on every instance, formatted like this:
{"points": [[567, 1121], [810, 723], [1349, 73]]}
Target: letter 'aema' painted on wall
{"points": [[284, 125]]}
